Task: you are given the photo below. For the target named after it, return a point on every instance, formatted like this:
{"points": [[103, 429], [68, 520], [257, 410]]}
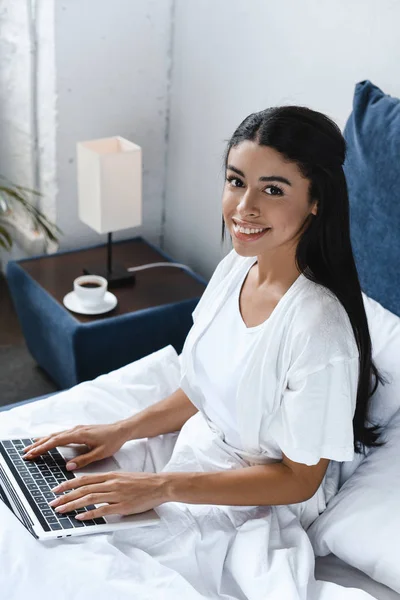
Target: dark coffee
{"points": [[90, 284]]}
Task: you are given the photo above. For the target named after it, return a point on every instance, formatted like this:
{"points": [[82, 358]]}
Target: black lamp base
{"points": [[118, 277]]}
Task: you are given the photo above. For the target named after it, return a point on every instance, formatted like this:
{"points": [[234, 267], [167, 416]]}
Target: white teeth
{"points": [[246, 230]]}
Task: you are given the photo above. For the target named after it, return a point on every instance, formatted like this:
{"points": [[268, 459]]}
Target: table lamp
{"points": [[109, 172]]}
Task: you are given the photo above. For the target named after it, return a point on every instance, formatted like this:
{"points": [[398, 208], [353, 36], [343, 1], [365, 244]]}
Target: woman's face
{"points": [[264, 190]]}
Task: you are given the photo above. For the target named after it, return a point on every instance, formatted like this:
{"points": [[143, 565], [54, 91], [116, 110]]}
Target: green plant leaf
{"points": [[5, 238], [39, 220]]}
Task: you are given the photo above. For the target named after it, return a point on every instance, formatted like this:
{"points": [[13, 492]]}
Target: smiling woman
{"points": [[284, 173]]}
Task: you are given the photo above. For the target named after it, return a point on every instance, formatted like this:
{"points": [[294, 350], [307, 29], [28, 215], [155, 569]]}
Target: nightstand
{"points": [[153, 312]]}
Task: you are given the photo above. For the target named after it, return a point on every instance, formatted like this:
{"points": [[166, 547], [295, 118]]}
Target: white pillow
{"points": [[384, 328], [361, 524]]}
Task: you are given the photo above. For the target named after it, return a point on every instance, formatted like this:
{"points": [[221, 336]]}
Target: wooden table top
{"points": [[154, 286]]}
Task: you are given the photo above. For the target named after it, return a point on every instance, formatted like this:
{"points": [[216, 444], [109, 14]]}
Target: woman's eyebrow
{"points": [[265, 178]]}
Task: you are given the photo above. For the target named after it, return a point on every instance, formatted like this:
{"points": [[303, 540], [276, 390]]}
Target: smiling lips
{"points": [[239, 223], [248, 237]]}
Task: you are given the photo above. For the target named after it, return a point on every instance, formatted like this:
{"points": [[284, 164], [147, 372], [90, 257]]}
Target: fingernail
{"points": [[71, 466], [53, 502], [60, 508], [55, 489], [79, 517]]}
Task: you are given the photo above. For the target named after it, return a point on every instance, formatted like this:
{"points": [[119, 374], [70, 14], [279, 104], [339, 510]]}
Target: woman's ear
{"points": [[314, 209]]}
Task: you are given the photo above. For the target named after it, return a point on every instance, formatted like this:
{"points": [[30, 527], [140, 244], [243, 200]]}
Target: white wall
{"points": [[234, 57], [112, 79], [102, 70]]}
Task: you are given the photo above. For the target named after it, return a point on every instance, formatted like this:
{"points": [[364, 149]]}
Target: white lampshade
{"points": [[109, 184]]}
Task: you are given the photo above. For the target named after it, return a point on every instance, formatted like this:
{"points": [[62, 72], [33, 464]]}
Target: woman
{"points": [[276, 370]]}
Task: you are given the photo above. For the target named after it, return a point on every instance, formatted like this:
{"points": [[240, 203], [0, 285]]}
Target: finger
{"points": [[84, 501], [84, 459], [79, 493], [78, 482], [39, 440], [101, 511], [36, 440], [59, 439]]}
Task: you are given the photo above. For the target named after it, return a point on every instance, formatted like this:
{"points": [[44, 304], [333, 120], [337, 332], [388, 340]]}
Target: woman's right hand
{"points": [[102, 441]]}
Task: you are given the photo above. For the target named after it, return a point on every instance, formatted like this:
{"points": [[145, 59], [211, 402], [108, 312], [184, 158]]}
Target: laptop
{"points": [[25, 489]]}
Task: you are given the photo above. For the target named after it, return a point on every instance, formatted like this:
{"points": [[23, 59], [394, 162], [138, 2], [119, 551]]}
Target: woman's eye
{"points": [[234, 181], [276, 191]]}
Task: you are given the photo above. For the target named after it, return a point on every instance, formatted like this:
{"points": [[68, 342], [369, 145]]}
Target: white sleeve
{"points": [[315, 418], [221, 270]]}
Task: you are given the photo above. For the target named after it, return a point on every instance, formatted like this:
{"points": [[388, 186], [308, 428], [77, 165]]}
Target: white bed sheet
{"points": [[196, 552], [331, 568]]}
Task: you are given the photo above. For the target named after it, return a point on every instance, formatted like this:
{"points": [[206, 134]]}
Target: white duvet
{"points": [[195, 552]]}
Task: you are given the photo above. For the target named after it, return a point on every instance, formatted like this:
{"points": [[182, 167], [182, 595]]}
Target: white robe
{"points": [[297, 392], [195, 552]]}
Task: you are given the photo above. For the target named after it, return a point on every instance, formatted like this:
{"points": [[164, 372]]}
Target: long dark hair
{"points": [[324, 254]]}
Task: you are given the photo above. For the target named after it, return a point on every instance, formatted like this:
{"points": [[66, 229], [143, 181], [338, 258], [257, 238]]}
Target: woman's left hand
{"points": [[124, 493]]}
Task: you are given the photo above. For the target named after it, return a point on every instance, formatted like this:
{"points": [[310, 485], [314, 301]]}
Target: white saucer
{"points": [[72, 302]]}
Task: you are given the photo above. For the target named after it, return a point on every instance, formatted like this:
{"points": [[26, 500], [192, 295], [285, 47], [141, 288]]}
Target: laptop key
{"points": [[51, 520], [48, 512], [99, 521], [70, 513], [8, 444], [55, 526], [54, 469], [22, 469], [76, 523], [65, 523], [49, 495], [89, 522]]}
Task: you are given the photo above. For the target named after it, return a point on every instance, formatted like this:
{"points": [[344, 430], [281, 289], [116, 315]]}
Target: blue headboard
{"points": [[372, 170]]}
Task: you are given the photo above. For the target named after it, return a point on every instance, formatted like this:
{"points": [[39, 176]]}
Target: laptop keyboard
{"points": [[36, 478]]}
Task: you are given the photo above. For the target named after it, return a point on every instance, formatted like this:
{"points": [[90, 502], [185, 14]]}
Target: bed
{"points": [[355, 549]]}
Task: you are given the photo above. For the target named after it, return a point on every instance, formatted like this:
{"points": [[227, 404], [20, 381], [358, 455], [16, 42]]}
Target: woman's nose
{"points": [[248, 202]]}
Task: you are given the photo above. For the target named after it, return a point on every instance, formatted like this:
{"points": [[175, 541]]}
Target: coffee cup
{"points": [[90, 289]]}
